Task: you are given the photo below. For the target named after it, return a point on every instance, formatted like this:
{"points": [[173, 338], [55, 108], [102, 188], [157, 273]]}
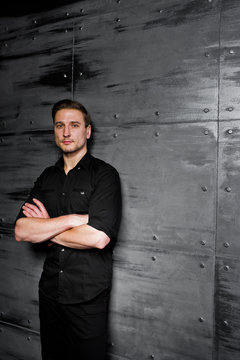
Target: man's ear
{"points": [[89, 130]]}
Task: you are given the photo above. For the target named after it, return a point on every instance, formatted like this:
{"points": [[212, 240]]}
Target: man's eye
{"points": [[75, 125], [58, 126]]}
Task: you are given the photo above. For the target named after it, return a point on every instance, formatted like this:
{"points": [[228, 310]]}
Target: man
{"points": [[75, 207]]}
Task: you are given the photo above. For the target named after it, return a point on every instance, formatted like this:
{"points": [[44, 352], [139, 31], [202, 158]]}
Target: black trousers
{"points": [[75, 331]]}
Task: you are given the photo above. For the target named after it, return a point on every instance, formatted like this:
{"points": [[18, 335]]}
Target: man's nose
{"points": [[66, 131]]}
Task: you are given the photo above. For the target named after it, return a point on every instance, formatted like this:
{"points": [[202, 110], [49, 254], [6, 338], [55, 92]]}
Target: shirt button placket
{"points": [[61, 272]]}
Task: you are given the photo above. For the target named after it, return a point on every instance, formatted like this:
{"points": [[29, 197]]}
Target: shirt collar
{"points": [[84, 162]]}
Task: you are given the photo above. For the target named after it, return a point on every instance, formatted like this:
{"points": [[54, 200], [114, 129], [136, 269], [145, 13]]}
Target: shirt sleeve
{"points": [[36, 192], [106, 203]]}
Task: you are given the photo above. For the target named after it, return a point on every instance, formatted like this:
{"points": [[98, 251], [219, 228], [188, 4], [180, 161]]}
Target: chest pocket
{"points": [[79, 200]]}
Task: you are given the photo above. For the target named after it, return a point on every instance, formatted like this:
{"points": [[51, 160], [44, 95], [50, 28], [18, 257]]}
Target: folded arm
{"points": [[82, 237], [68, 230], [37, 226]]}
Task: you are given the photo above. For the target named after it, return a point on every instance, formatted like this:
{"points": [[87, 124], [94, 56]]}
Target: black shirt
{"points": [[93, 188]]}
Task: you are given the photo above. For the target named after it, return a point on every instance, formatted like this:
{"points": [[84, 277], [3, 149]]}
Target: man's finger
{"points": [[41, 207], [32, 208]]}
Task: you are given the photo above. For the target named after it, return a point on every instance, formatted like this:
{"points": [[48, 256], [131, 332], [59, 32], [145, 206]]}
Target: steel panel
{"points": [[21, 264], [163, 306], [137, 65], [229, 91], [17, 343], [227, 309], [228, 198], [36, 69], [168, 176]]}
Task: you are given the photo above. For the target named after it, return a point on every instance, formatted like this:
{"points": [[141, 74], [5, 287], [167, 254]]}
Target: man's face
{"points": [[70, 131]]}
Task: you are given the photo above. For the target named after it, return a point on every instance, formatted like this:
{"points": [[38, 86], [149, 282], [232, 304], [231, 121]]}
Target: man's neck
{"points": [[72, 159]]}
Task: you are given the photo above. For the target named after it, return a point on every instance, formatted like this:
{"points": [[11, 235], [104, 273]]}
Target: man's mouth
{"points": [[67, 142]]}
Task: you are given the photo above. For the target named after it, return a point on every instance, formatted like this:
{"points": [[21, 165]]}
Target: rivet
{"points": [[210, 1], [33, 38], [202, 265], [206, 110], [226, 267], [80, 74], [116, 116], [228, 189], [226, 244], [152, 356], [231, 51], [154, 258], [155, 237], [67, 14], [204, 188], [80, 28], [65, 75], [229, 131], [81, 11], [118, 1], [29, 321], [207, 54], [115, 135], [66, 30], [230, 108], [203, 242], [206, 132], [29, 338], [5, 44], [117, 20], [34, 21], [225, 323], [157, 133], [161, 11], [157, 113], [201, 319]]}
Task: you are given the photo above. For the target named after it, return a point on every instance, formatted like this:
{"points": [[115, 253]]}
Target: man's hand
{"points": [[35, 211]]}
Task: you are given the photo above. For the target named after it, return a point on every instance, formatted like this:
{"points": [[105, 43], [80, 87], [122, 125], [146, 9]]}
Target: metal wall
{"points": [[161, 81]]}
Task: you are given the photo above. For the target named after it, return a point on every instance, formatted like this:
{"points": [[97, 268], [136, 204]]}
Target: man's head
{"points": [[71, 104], [72, 127]]}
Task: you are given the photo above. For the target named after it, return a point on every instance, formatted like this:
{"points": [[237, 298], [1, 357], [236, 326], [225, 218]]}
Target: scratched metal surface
{"points": [[36, 70], [227, 246], [24, 345], [229, 199], [136, 63], [227, 308], [165, 306], [229, 107], [168, 175]]}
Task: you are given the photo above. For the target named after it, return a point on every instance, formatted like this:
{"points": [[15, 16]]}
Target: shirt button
{"points": [[79, 168], [61, 271], [63, 193], [62, 250]]}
